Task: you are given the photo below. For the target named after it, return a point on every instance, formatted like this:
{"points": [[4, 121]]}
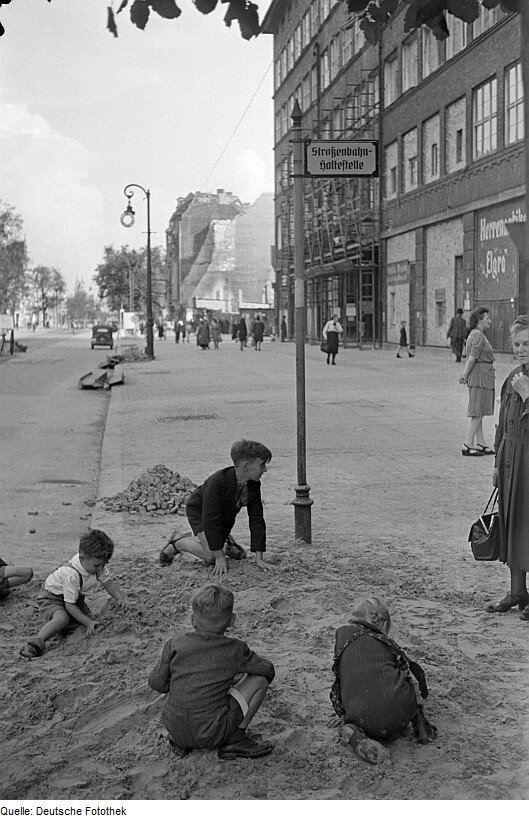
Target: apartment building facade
{"points": [[432, 234]]}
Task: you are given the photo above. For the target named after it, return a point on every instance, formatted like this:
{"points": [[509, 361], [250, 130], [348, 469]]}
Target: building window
{"points": [[284, 120], [306, 92], [435, 160], [325, 10], [277, 74], [440, 307], [305, 30], [336, 55], [314, 16], [430, 149], [409, 64], [290, 52], [459, 145], [484, 119], [390, 79], [278, 127], [283, 59], [347, 46], [430, 52], [325, 69], [514, 116], [314, 84], [487, 18], [458, 38], [390, 163], [358, 37], [337, 122], [455, 129], [409, 160], [297, 43]]}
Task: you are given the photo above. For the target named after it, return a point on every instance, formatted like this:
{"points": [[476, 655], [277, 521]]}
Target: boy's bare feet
{"points": [[369, 750]]}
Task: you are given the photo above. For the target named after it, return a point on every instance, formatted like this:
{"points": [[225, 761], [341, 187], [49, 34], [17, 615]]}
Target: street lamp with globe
{"points": [[127, 220]]}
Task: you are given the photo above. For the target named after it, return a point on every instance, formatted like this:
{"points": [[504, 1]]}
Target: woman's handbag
{"points": [[324, 347], [484, 535]]}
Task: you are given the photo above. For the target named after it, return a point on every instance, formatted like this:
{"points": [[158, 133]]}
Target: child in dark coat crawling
{"points": [[373, 694]]}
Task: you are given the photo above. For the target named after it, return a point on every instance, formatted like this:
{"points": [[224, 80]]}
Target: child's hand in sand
{"points": [[334, 722], [90, 628]]}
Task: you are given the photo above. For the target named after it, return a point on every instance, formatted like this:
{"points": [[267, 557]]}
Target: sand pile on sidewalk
{"points": [[158, 490]]}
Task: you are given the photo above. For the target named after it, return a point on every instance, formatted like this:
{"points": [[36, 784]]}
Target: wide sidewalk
{"points": [[384, 436]]}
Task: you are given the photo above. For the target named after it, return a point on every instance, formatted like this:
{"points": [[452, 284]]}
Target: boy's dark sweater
{"points": [[197, 670], [214, 504]]}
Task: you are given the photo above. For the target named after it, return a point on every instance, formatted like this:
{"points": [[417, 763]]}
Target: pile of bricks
{"points": [[158, 491]]}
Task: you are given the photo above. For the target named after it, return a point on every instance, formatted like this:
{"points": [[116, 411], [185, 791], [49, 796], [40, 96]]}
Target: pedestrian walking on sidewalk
{"points": [[479, 376], [161, 330], [258, 332], [403, 341], [203, 335], [216, 335], [212, 508], [284, 331], [511, 473], [331, 334], [457, 333], [242, 332]]}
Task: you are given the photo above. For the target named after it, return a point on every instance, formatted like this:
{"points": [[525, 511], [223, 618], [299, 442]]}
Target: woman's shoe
{"points": [[525, 614], [470, 451], [510, 601], [484, 450]]}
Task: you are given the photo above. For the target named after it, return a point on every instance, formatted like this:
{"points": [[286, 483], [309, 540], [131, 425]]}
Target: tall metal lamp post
{"points": [[302, 502], [127, 220]]}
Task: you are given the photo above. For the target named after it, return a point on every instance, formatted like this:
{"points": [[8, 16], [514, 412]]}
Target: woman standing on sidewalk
{"points": [[479, 376], [511, 473], [331, 334]]}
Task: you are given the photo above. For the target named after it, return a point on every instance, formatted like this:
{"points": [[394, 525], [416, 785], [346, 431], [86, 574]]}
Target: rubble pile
{"points": [[157, 490], [132, 353]]}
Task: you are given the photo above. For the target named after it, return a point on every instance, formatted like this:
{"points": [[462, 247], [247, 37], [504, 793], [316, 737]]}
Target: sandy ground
{"points": [[394, 500]]}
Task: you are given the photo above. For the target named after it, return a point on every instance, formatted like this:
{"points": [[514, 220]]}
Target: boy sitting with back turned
{"points": [[204, 707], [212, 508], [62, 597]]}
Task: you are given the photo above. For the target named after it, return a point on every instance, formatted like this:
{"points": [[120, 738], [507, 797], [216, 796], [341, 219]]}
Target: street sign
{"points": [[341, 158], [7, 322]]}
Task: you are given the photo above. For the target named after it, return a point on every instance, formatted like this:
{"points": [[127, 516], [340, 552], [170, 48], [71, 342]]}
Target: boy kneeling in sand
{"points": [[373, 694], [204, 707], [212, 508], [62, 597]]}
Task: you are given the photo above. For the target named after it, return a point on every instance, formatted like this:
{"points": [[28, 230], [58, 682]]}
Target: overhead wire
{"points": [[240, 120]]}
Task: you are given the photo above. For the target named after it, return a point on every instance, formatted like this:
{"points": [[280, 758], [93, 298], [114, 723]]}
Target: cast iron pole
{"points": [[149, 350], [302, 502]]}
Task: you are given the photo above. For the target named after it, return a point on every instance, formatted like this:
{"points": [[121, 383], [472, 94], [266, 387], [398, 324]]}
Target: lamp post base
{"points": [[302, 513]]}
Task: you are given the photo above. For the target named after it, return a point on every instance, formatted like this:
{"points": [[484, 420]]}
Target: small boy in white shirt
{"points": [[62, 598]]}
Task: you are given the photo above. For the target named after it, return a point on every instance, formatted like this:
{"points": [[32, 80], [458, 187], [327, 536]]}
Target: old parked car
{"points": [[102, 336]]}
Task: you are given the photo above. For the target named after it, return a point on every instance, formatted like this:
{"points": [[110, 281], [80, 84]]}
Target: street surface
{"points": [[393, 503]]}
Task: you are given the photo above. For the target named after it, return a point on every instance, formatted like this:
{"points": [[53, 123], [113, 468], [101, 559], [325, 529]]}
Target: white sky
{"points": [[83, 113]]}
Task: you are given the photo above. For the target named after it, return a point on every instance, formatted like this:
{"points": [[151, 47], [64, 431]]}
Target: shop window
{"points": [[514, 105], [484, 119]]}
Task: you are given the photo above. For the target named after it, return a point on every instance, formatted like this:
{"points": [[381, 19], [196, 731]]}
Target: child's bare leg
{"points": [[253, 688], [16, 576], [58, 621], [197, 546]]}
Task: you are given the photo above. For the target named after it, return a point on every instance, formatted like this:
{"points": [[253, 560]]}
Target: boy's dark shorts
{"points": [[50, 603], [188, 731], [195, 521]]}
